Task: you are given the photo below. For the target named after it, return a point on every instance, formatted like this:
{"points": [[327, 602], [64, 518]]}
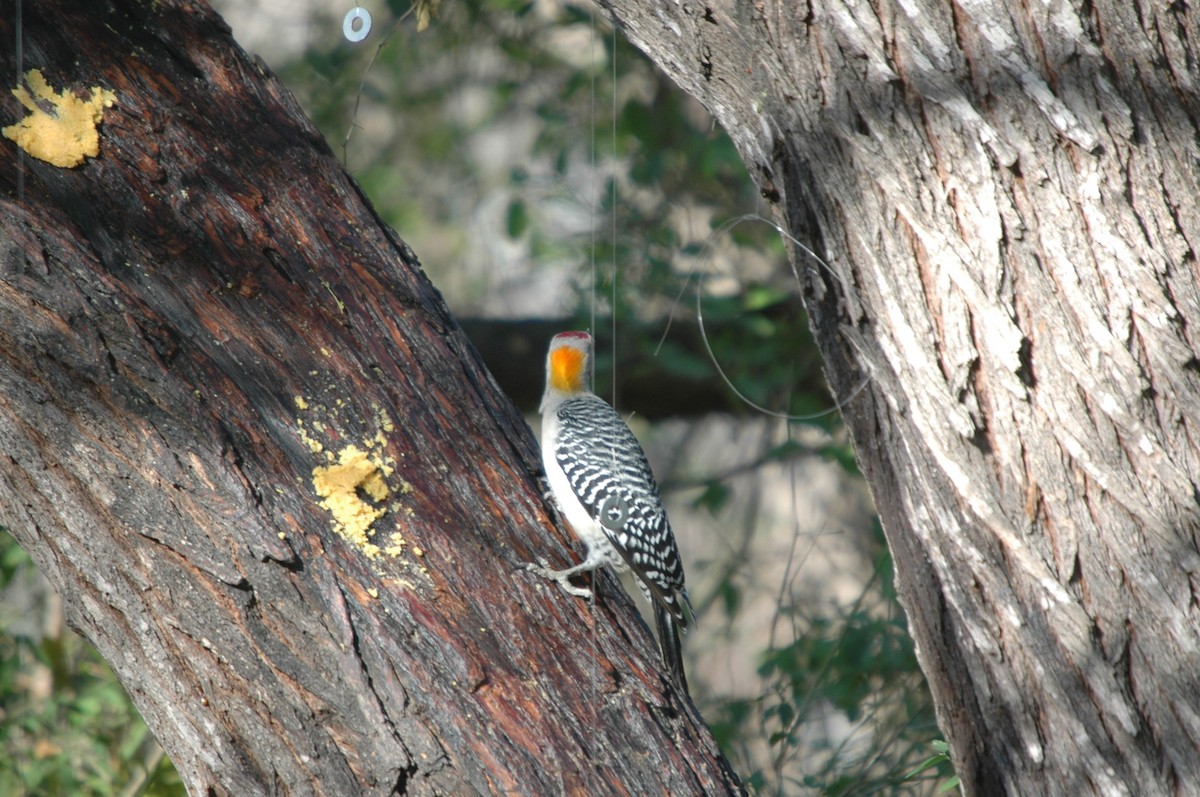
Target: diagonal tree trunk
{"points": [[1006, 195], [248, 445]]}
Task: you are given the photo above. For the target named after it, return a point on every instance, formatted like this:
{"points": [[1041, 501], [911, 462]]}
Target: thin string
{"points": [[592, 195], [593, 198], [708, 252], [20, 70], [363, 82], [613, 216]]}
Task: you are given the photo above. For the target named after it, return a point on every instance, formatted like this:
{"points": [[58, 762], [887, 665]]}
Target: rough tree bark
{"points": [[1006, 194], [244, 439]]}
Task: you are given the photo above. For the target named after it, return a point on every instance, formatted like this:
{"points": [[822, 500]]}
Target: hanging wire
{"points": [[613, 215], [707, 255], [363, 82], [592, 195], [20, 70]]}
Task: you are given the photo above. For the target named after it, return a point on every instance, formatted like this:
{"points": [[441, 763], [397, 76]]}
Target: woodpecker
{"points": [[603, 485]]}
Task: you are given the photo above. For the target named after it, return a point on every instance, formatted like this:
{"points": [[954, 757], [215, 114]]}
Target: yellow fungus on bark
{"points": [[66, 133]]}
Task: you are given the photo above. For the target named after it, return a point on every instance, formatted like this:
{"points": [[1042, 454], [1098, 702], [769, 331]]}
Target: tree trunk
{"points": [[1006, 197], [248, 445]]}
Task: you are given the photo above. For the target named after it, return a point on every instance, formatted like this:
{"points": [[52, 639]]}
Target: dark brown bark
{"points": [[1006, 195], [190, 324]]}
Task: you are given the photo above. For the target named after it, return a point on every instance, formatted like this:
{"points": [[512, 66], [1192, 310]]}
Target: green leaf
{"points": [[928, 763], [715, 496], [133, 740], [731, 597], [518, 218], [785, 450], [759, 297], [951, 783]]}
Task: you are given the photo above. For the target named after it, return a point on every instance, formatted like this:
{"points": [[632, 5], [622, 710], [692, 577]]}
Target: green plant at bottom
{"points": [[66, 725], [845, 710]]}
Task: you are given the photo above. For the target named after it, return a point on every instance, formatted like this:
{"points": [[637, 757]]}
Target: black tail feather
{"points": [[670, 644]]}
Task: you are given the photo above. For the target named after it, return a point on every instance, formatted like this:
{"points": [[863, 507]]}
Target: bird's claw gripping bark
{"points": [[561, 577]]}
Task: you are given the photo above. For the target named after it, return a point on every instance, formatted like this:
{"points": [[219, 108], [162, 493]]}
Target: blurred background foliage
{"points": [[66, 725], [542, 168]]}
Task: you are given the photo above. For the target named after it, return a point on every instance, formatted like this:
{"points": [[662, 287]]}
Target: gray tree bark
{"points": [[1006, 196], [242, 436]]}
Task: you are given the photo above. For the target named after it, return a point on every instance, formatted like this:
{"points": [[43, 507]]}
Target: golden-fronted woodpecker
{"points": [[603, 485]]}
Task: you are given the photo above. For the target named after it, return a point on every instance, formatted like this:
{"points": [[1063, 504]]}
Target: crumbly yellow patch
{"points": [[396, 545], [66, 133], [314, 445], [353, 484], [345, 488]]}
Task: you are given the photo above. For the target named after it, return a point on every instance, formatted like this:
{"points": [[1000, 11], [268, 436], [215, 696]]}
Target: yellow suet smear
{"points": [[64, 135], [340, 486], [566, 369]]}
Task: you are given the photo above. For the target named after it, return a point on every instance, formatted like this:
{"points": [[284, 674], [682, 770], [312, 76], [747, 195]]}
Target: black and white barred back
{"points": [[609, 474]]}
